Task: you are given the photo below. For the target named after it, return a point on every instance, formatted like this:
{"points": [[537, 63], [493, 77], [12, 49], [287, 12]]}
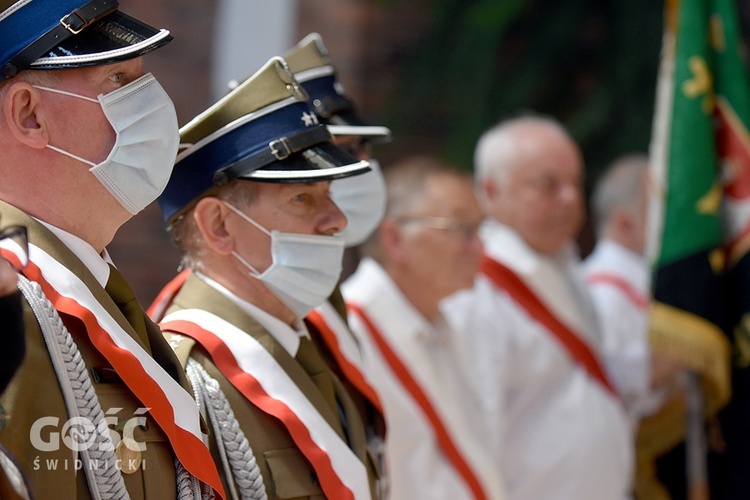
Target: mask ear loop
{"points": [[69, 94], [253, 270], [246, 217], [71, 155], [65, 92]]}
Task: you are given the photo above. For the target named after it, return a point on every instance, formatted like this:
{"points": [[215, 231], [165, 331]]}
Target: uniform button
{"points": [[128, 455]]}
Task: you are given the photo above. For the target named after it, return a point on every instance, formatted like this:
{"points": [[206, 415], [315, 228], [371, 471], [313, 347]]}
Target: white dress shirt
{"points": [[416, 465], [557, 432], [619, 282], [284, 334], [97, 263]]}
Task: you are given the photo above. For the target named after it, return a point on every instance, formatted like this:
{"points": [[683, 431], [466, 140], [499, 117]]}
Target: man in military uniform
{"points": [[249, 204], [87, 140], [362, 199]]}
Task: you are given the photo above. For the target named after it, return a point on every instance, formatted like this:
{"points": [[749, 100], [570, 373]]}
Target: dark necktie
{"points": [[334, 392], [312, 362], [124, 297]]}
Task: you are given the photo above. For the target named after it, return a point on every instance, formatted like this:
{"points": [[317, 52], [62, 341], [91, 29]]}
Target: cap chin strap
{"points": [[277, 150], [70, 25]]}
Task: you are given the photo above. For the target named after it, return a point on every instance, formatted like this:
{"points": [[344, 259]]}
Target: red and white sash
{"points": [[505, 278], [161, 303], [400, 370], [332, 328], [169, 403], [637, 298], [344, 347], [253, 371]]}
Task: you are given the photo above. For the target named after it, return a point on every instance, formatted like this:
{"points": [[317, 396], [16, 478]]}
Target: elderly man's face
{"points": [[303, 208], [440, 242], [79, 126], [542, 198]]}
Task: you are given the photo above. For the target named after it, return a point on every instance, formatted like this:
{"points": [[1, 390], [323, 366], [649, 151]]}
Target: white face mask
{"points": [[362, 199], [305, 268], [140, 163]]}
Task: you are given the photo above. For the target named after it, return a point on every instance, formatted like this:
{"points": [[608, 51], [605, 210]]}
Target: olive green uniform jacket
{"points": [[34, 393], [286, 472]]}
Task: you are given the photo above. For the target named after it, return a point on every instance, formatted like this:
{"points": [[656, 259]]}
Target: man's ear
{"points": [[488, 193], [491, 188], [23, 115], [210, 216], [391, 239], [622, 222]]}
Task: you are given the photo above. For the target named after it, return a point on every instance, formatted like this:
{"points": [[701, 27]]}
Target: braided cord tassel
{"points": [[237, 455], [99, 462]]}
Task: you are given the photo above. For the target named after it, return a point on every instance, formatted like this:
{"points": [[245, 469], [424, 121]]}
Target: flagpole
{"points": [[695, 439]]}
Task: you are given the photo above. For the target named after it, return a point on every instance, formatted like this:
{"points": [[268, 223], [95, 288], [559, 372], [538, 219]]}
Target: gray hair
{"points": [[184, 232], [405, 184], [622, 185], [34, 77]]}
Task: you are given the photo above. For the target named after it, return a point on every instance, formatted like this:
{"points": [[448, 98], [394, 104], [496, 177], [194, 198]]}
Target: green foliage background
{"points": [[591, 64]]}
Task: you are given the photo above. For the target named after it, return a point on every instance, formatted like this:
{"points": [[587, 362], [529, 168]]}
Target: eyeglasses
{"points": [[16, 238], [466, 230]]}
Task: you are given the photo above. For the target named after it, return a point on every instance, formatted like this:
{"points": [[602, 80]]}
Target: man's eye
{"points": [[545, 183], [117, 77]]}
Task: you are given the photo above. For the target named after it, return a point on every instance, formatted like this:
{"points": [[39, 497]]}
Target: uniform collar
{"points": [[506, 246], [555, 279], [620, 261], [97, 263], [380, 297], [288, 337]]}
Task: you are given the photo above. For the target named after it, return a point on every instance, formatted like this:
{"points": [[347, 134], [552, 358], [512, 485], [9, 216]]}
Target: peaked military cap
{"points": [[53, 34], [311, 66], [263, 130]]}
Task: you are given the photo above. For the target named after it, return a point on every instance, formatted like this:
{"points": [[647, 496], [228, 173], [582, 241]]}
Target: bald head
{"points": [[529, 177], [501, 148]]}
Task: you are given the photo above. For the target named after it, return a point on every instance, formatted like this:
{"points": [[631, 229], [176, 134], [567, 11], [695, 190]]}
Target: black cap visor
{"points": [[322, 162], [116, 37], [349, 124]]}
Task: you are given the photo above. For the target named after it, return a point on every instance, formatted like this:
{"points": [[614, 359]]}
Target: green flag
{"points": [[683, 151], [700, 193]]}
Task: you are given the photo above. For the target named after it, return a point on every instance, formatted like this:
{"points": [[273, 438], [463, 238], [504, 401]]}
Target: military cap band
{"points": [[277, 150], [71, 24]]}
